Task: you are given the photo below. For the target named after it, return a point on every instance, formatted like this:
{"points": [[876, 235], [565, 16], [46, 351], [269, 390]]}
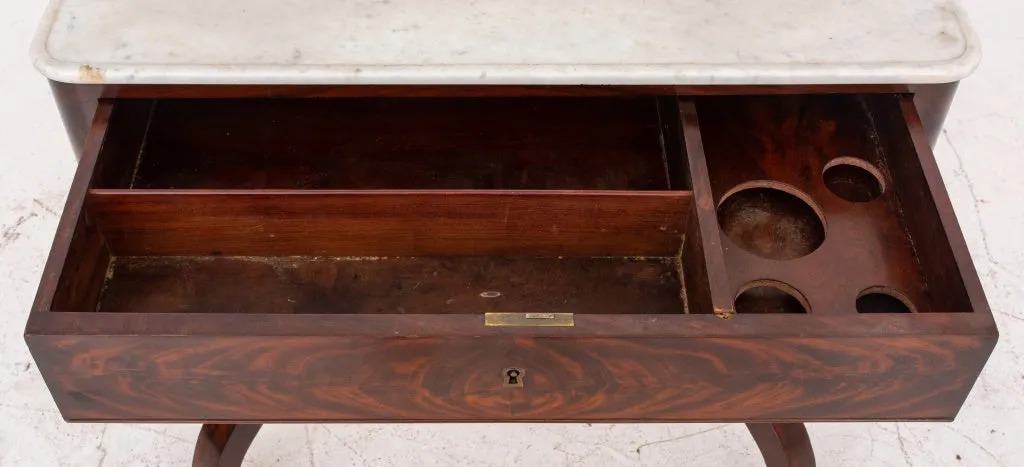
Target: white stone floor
{"points": [[982, 160]]}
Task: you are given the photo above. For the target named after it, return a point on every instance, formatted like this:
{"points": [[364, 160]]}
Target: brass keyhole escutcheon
{"points": [[513, 377]]}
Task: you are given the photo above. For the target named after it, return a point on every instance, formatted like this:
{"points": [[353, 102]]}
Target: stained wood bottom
{"points": [[309, 284]]}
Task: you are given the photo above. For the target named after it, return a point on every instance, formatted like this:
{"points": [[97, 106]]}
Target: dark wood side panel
{"points": [[409, 223], [672, 144], [122, 143], [81, 279], [944, 209], [255, 378], [73, 233], [933, 102], [79, 257], [77, 104], [927, 212]]}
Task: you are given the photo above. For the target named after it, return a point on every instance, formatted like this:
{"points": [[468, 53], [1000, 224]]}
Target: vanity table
{"points": [[507, 211]]}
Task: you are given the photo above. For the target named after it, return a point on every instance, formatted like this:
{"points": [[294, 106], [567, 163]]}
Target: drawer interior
{"points": [[385, 206], [823, 206], [597, 205], [651, 258]]}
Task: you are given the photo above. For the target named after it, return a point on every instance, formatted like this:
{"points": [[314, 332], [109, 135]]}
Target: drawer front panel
{"points": [[242, 379]]}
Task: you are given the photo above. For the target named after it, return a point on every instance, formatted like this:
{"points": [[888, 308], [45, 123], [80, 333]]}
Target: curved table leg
{"points": [[223, 445], [783, 444]]}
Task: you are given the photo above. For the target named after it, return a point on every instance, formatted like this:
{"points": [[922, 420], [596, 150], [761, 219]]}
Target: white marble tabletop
{"points": [[505, 41]]}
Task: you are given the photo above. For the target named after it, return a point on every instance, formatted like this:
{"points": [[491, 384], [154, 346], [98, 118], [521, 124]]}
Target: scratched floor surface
{"points": [[981, 160]]}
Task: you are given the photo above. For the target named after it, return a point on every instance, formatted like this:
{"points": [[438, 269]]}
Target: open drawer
{"points": [[550, 259]]}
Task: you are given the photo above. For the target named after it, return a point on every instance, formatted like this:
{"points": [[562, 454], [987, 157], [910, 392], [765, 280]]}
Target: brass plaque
{"points": [[528, 319]]}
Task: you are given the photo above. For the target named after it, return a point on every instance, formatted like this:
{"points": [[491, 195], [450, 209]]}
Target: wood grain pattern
{"points": [[390, 223], [249, 379], [315, 285]]}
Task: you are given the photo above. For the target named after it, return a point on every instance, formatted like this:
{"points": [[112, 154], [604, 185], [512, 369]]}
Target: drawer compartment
{"points": [[828, 205], [342, 260], [383, 206]]}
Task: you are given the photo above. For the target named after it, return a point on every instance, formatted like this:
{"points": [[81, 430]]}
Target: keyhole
{"points": [[514, 377]]}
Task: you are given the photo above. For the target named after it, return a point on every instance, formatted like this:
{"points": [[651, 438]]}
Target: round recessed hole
{"points": [[853, 179], [771, 220], [769, 296], [883, 300]]}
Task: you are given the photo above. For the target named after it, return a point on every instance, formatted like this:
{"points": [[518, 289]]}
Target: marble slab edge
{"points": [[943, 71]]}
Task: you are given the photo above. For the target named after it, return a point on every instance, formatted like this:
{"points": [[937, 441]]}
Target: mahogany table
{"points": [[313, 234]]}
